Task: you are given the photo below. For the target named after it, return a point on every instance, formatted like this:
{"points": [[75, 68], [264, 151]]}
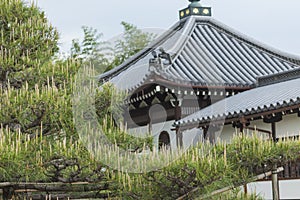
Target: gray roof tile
{"points": [[205, 51], [265, 98]]}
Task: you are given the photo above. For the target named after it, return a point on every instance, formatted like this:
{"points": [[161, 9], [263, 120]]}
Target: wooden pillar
{"points": [[275, 182], [273, 119], [205, 133], [245, 189], [244, 123], [179, 136], [274, 137], [177, 111], [150, 127]]}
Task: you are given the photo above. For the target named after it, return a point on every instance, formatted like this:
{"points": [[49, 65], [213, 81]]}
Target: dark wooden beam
{"points": [[179, 136], [249, 117], [179, 139], [163, 81], [141, 116], [260, 130], [241, 124], [274, 137], [272, 118]]}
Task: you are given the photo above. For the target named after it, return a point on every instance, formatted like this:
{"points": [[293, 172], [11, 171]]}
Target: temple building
{"points": [[203, 80]]}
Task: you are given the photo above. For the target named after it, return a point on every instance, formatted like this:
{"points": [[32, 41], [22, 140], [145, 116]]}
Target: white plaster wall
{"points": [[227, 133], [288, 189], [140, 131], [156, 130], [164, 126], [289, 126], [192, 137]]}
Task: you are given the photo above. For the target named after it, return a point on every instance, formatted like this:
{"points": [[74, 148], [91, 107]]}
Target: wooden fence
{"points": [[53, 191]]}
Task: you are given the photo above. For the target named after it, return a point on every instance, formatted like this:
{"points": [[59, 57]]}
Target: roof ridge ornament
{"points": [[160, 61], [194, 8], [195, 3]]}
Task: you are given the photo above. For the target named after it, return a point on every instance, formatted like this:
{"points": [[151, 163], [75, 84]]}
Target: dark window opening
{"points": [[164, 141]]}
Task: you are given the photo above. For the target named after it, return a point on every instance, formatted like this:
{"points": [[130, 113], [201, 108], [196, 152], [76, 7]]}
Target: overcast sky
{"points": [[274, 22]]}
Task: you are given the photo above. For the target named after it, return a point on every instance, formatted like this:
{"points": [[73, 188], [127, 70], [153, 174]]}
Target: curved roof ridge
{"points": [[161, 39], [206, 50], [188, 30], [246, 38]]}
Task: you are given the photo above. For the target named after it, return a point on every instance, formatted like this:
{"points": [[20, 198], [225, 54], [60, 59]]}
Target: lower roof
{"points": [[259, 100]]}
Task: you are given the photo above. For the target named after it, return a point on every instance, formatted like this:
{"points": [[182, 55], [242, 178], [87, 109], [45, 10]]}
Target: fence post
{"points": [[275, 184], [8, 193]]}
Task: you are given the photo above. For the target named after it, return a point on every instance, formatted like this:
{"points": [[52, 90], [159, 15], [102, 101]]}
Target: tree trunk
{"points": [[3, 78]]}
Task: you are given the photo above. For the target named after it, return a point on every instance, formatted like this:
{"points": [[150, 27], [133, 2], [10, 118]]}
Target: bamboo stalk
{"points": [[27, 184], [61, 188], [5, 184]]}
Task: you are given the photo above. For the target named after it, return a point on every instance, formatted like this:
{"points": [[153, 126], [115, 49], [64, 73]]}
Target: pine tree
{"points": [[27, 40]]}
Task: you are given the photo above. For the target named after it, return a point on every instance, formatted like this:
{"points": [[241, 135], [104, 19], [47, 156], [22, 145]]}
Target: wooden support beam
{"points": [[275, 183], [273, 127], [260, 130], [59, 190], [245, 189], [179, 139], [179, 136], [272, 118]]}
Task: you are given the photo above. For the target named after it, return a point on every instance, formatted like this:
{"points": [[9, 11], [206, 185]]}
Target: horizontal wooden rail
{"points": [[57, 189]]}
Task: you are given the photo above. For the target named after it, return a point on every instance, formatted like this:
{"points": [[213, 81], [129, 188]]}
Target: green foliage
{"points": [[27, 40], [105, 56], [91, 50], [47, 109], [109, 107], [37, 159], [37, 133], [119, 136], [207, 168], [133, 41], [236, 195], [258, 155], [109, 102]]}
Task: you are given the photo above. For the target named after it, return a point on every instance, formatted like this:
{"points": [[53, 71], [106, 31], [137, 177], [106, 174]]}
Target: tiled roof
{"points": [[255, 101], [204, 51], [279, 77]]}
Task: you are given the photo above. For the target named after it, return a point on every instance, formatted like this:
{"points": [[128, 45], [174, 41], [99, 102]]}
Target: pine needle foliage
{"points": [[207, 168], [27, 40]]}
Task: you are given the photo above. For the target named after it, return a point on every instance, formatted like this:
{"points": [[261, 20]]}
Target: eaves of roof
{"points": [[251, 103]]}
